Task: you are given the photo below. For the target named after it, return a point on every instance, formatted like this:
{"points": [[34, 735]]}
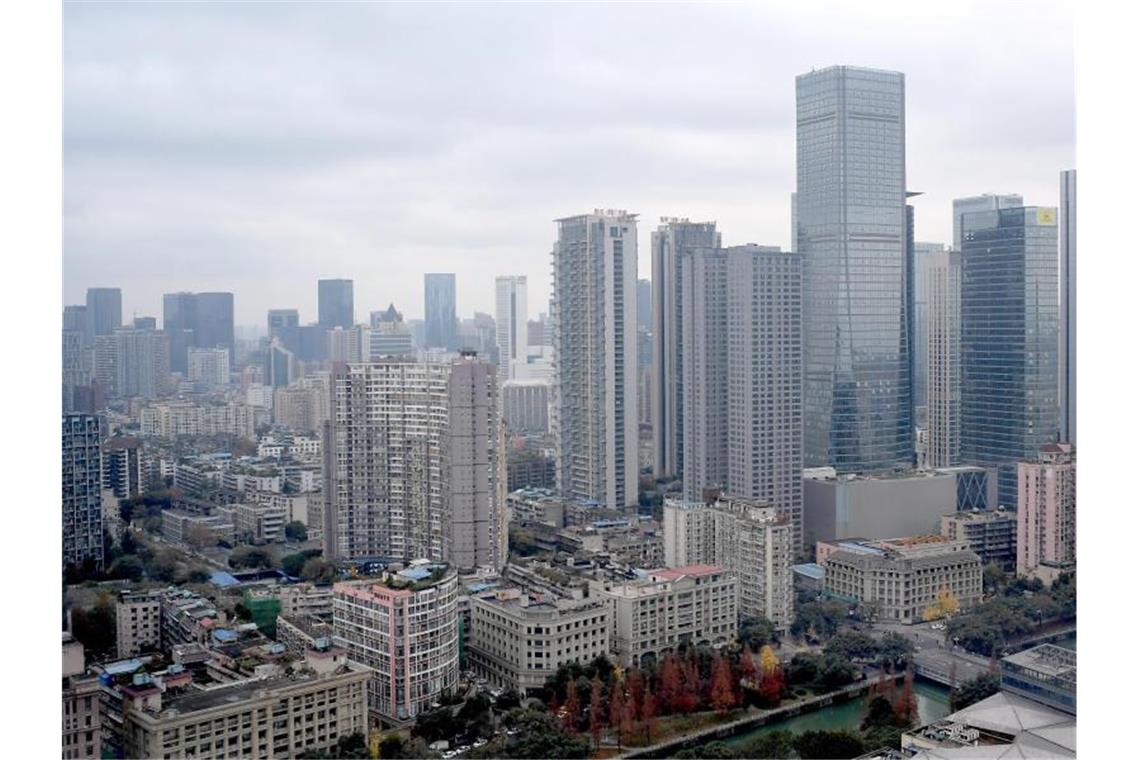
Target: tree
{"points": [[127, 567], [769, 663], [906, 708], [94, 627], [771, 678], [829, 744], [993, 577], [776, 745], [572, 707], [756, 631], [596, 716], [319, 570], [669, 683], [835, 671], [894, 649], [293, 564], [852, 646], [199, 537], [434, 725], [127, 543], [251, 556], [617, 710], [541, 735], [296, 531], [723, 697], [803, 669], [945, 605], [649, 715], [164, 565], [748, 665], [974, 690], [710, 751]]}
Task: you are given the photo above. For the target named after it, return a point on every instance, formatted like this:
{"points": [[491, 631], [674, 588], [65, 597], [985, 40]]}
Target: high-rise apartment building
{"points": [[334, 304], [742, 398], [976, 203], [133, 363], [594, 311], [795, 224], [281, 365], [123, 467], [208, 368], [1047, 509], [1008, 339], [406, 629], [75, 318], [526, 406], [390, 335], [670, 242], [104, 312], [510, 326], [476, 481], [1067, 339], [82, 480], [441, 328], [851, 230], [384, 488], [943, 367], [351, 344], [77, 366]]}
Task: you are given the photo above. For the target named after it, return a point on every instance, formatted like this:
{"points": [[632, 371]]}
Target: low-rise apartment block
{"points": [[695, 605], [138, 622], [518, 639], [991, 534]]}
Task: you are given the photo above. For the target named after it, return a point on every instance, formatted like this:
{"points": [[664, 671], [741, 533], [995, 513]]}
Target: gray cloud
{"points": [[257, 147]]}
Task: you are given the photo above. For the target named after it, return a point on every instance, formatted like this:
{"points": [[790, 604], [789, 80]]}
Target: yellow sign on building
{"points": [[1046, 216]]}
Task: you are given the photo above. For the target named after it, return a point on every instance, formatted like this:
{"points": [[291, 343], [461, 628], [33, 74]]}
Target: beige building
{"points": [[518, 640], [138, 622], [323, 700], [747, 537], [904, 575], [257, 523], [695, 604], [82, 735], [405, 627]]}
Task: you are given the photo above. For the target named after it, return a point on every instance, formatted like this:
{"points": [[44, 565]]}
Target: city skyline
{"points": [[241, 178]]}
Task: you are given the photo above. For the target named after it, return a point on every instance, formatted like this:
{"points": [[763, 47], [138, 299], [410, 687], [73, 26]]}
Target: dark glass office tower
{"points": [[334, 304], [1008, 339], [104, 312], [215, 324], [851, 228], [199, 320], [439, 311]]}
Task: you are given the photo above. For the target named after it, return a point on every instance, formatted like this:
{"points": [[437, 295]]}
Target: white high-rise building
{"points": [[208, 368], [594, 311], [742, 401], [510, 326], [943, 370], [672, 239]]}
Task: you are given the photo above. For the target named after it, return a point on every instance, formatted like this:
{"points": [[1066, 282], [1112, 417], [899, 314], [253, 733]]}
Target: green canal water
{"points": [[933, 703]]}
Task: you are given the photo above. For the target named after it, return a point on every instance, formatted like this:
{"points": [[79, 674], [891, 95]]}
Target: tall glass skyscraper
{"points": [[1067, 361], [851, 228], [441, 330], [1008, 339], [334, 304]]}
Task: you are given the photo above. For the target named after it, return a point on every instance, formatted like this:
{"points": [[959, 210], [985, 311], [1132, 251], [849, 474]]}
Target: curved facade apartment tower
{"points": [[851, 229]]}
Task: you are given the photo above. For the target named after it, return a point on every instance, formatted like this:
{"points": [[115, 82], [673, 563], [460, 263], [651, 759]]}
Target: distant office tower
{"points": [[923, 255], [144, 323], [334, 304], [281, 367], [388, 484], [943, 366], [851, 219], [594, 311], [132, 362], [743, 376], [644, 304], [976, 203], [673, 238], [525, 406], [439, 311], [75, 318], [76, 366], [510, 325], [390, 335], [1067, 345], [536, 334], [1047, 509], [209, 368], [197, 320], [795, 224], [282, 319], [1008, 339], [104, 312], [474, 456], [82, 481]]}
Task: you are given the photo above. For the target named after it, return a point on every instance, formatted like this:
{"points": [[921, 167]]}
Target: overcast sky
{"points": [[258, 147]]}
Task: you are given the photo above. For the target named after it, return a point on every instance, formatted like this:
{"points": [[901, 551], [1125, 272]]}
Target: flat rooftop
{"points": [[242, 691], [1048, 659]]}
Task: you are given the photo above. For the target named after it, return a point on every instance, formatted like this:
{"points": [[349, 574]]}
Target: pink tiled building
{"points": [[1047, 509]]}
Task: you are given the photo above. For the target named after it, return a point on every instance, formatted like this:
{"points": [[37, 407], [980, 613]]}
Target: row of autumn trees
{"points": [[627, 703]]}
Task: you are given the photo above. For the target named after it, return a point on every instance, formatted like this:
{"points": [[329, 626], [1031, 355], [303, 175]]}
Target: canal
{"points": [[933, 703]]}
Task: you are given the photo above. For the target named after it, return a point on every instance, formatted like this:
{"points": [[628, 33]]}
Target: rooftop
{"points": [[1029, 730], [694, 571]]}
